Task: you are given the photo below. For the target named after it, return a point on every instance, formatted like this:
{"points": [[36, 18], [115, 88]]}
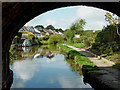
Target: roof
{"points": [[49, 31], [37, 30], [28, 27]]}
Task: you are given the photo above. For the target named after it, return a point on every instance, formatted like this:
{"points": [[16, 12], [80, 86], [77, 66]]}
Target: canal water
{"points": [[44, 67]]}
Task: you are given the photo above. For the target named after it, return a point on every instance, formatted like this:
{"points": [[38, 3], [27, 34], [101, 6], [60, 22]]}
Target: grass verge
{"points": [[79, 58], [77, 45]]}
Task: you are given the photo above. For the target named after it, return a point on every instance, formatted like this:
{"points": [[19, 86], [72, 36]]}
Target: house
{"points": [[77, 36], [31, 29], [60, 33], [48, 32], [37, 33]]}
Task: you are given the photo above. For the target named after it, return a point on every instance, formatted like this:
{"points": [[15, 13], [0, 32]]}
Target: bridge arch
{"points": [[16, 14]]}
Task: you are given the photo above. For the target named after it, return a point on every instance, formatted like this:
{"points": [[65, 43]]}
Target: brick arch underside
{"points": [[15, 15]]}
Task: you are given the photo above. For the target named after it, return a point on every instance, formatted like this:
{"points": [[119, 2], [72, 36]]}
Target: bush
{"points": [[45, 38], [55, 38], [44, 42], [108, 51], [76, 40]]}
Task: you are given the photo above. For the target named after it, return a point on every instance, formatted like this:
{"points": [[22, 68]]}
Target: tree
{"points": [[113, 20], [78, 25], [59, 30], [55, 38], [18, 37], [69, 34], [39, 27], [50, 27]]}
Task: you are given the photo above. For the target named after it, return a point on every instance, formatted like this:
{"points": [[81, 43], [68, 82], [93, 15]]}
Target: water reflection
{"points": [[37, 70]]}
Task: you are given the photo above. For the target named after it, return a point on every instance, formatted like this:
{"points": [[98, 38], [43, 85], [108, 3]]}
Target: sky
{"points": [[64, 17]]}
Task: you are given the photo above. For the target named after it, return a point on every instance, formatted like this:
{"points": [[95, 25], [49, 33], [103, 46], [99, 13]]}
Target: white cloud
{"points": [[94, 17], [25, 69], [51, 22], [98, 25], [67, 82], [90, 13], [85, 12], [56, 24]]}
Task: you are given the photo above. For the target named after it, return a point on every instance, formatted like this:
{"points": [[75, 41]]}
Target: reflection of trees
{"points": [[23, 52], [29, 52], [73, 65]]}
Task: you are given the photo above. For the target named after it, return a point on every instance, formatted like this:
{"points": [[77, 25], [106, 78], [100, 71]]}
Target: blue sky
{"points": [[64, 17]]}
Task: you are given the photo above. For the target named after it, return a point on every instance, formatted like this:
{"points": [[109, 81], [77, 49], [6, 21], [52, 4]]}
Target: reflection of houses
{"points": [[42, 53]]}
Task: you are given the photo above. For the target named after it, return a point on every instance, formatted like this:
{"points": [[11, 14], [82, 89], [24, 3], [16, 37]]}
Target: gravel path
{"points": [[100, 62]]}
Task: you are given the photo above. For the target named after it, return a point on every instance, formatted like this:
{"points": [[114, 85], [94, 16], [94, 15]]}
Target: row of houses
{"points": [[38, 33]]}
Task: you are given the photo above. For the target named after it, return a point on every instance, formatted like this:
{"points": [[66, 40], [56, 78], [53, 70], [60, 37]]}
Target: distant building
{"points": [[48, 32], [30, 29], [77, 36], [24, 35]]}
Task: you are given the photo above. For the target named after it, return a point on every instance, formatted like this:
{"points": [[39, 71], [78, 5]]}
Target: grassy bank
{"points": [[72, 54], [77, 45]]}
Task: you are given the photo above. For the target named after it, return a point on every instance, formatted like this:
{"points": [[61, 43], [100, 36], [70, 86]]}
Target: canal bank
{"points": [[104, 78]]}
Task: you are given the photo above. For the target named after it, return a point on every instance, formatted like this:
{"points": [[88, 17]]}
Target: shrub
{"points": [[77, 40], [45, 38], [108, 51], [55, 38]]}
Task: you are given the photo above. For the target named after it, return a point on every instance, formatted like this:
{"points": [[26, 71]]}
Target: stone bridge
{"points": [[16, 14]]}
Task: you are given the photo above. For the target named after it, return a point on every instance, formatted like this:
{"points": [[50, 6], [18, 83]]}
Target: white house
{"points": [[77, 36]]}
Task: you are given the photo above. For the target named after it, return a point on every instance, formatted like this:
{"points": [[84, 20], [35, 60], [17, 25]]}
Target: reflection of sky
{"points": [[45, 73]]}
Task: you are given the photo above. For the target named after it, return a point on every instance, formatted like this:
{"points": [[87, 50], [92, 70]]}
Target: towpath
{"points": [[111, 76]]}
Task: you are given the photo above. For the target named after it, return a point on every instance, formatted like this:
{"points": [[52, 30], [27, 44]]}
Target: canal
{"points": [[45, 67]]}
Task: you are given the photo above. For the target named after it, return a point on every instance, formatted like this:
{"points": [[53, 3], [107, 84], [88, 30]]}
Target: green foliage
{"points": [[18, 37], [12, 55], [50, 27], [88, 37], [108, 34], [73, 53], [79, 58], [55, 38], [43, 42], [82, 60], [64, 48], [77, 45], [39, 27], [76, 40], [91, 68], [111, 19], [69, 34], [59, 30], [117, 66], [76, 28], [78, 25], [45, 38], [37, 41], [107, 41]]}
